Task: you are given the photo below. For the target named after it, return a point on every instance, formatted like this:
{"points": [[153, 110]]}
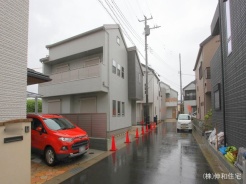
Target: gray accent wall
{"points": [[234, 76], [135, 77]]}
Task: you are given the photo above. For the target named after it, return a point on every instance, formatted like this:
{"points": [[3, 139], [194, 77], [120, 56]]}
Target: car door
{"points": [[38, 139]]}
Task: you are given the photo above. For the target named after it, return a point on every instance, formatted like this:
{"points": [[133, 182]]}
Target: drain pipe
{"points": [[222, 71]]}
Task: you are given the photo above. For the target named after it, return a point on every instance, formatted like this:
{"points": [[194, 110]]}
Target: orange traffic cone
{"points": [[127, 138], [137, 136], [142, 130], [113, 146]]}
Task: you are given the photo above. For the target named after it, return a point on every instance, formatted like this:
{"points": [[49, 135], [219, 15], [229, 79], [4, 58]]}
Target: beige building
{"points": [[202, 72]]}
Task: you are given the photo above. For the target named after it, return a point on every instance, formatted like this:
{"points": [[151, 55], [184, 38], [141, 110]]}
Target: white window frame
{"points": [[118, 69], [228, 27], [114, 113], [123, 108], [114, 67], [122, 72], [118, 108]]}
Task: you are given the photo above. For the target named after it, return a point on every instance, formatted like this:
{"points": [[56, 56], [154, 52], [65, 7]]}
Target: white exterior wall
{"points": [[118, 87], [153, 97], [13, 59]]}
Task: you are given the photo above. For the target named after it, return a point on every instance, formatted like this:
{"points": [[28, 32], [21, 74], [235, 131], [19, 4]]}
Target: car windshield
{"points": [[184, 117], [58, 123]]}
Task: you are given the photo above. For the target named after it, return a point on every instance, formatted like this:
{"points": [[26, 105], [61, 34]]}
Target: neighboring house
{"points": [[95, 82], [202, 72], [233, 57], [169, 110], [154, 96], [190, 98]]}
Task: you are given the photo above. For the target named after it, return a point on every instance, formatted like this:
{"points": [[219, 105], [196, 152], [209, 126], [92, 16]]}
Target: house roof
{"points": [[34, 77], [104, 27], [200, 50], [152, 70], [169, 86], [135, 49], [192, 82]]}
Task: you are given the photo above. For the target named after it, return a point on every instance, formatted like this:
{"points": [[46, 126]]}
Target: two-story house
{"points": [[228, 71], [90, 84], [169, 103], [154, 97], [190, 98], [202, 73]]}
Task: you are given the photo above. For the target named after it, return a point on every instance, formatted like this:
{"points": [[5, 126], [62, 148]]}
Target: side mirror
{"points": [[39, 129]]}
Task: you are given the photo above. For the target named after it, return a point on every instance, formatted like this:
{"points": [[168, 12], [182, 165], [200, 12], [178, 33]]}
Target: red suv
{"points": [[57, 138]]}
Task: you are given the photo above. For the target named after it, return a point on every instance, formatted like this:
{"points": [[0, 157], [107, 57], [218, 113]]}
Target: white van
{"points": [[184, 122]]}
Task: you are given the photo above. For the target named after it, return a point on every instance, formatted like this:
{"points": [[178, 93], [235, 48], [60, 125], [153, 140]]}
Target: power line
{"points": [[125, 21], [116, 12]]}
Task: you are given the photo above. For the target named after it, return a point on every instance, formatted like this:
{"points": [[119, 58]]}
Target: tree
{"points": [[30, 105]]}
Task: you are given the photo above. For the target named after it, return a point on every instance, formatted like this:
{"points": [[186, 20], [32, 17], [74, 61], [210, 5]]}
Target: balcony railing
{"points": [[76, 74], [171, 100], [189, 97]]}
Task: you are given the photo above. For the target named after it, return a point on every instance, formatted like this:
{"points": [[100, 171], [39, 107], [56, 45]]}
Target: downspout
{"points": [[222, 71], [108, 60]]}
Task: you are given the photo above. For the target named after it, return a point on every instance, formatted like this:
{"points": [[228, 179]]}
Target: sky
{"points": [[184, 24]]}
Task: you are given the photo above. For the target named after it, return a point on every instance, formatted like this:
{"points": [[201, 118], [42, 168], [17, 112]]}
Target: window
{"points": [[200, 71], [217, 97], [122, 72], [114, 67], [123, 108], [190, 95], [114, 108], [118, 70], [118, 108], [207, 73], [118, 40], [228, 27]]}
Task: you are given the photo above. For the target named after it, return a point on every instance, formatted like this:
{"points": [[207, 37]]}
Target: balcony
{"points": [[207, 81], [171, 102], [81, 80], [190, 97]]}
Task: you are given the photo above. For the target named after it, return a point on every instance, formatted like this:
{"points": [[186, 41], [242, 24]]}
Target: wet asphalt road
{"points": [[159, 157]]}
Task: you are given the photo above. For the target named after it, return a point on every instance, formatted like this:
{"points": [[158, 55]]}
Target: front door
{"points": [[174, 113]]}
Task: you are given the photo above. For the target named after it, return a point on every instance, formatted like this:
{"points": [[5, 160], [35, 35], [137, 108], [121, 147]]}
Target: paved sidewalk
{"points": [[41, 173]]}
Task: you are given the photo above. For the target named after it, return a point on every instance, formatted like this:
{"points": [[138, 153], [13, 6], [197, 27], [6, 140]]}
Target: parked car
{"points": [[184, 122], [194, 114], [56, 138]]}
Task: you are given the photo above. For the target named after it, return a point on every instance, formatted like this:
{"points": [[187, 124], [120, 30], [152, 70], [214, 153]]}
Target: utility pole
{"points": [[181, 90], [147, 33]]}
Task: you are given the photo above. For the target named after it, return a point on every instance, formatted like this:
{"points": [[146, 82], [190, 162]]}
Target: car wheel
{"points": [[50, 156]]}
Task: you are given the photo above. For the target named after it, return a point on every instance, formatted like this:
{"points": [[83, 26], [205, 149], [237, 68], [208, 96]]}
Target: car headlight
{"points": [[66, 139]]}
